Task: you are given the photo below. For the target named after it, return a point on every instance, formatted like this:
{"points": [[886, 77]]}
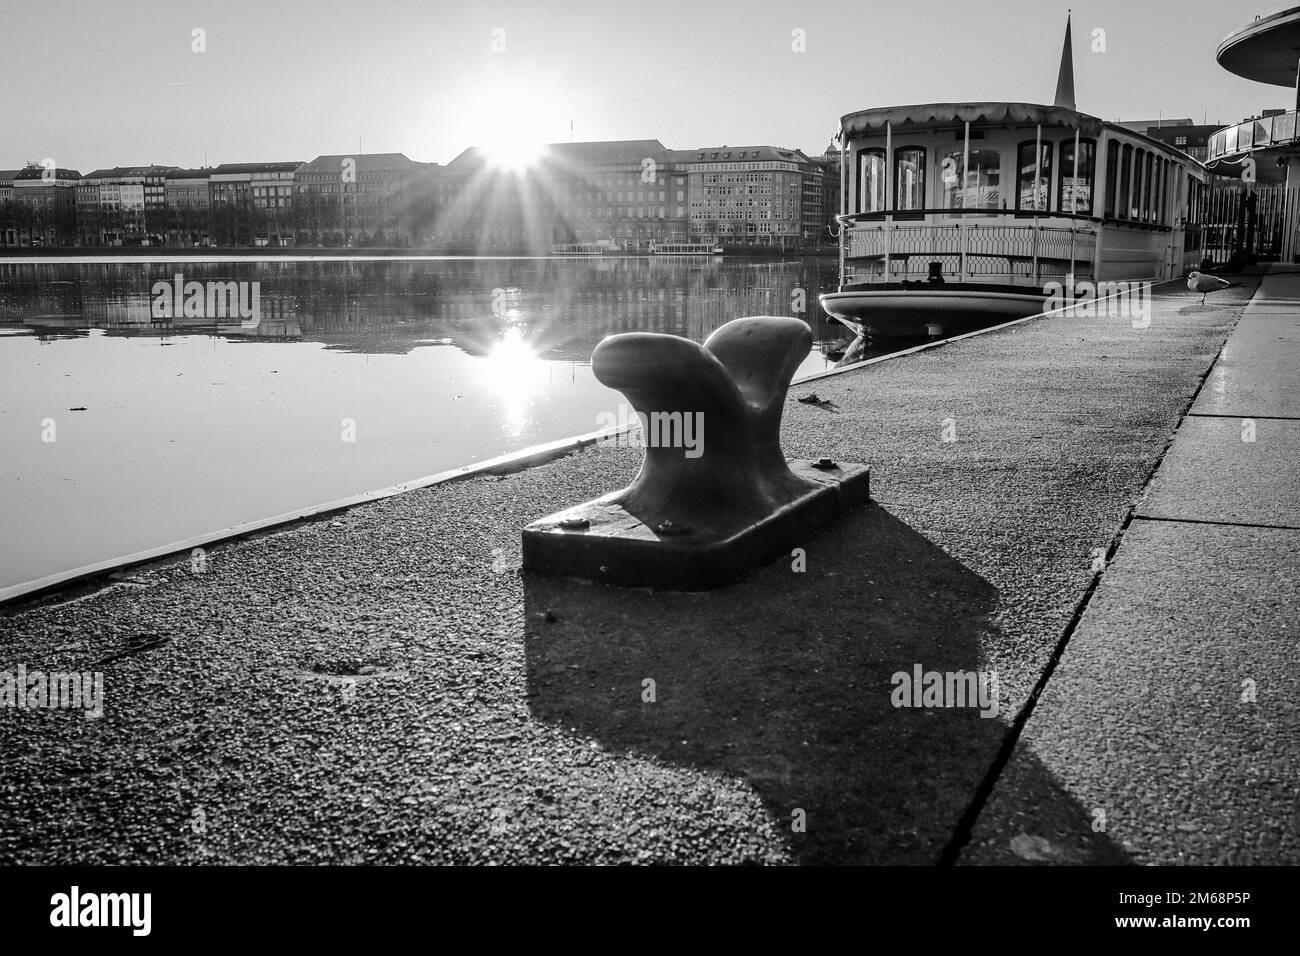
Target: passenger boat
{"points": [[685, 249], [960, 215], [579, 249]]}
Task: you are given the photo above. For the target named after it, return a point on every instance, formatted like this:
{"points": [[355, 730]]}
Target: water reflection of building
{"points": [[559, 308]]}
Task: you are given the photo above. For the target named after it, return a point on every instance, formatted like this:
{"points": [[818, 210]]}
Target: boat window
{"points": [[1139, 182], [871, 180], [1033, 179], [909, 178], [982, 188], [1162, 200], [1112, 176], [1153, 206], [1075, 194], [1144, 207], [1125, 182]]}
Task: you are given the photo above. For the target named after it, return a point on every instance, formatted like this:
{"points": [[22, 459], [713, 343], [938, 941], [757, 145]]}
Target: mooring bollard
{"points": [[715, 496]]}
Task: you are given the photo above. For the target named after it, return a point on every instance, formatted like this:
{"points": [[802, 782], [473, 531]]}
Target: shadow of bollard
{"points": [[786, 680]]}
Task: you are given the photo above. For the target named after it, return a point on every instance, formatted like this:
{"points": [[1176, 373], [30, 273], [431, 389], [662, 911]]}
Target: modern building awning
{"points": [[1265, 51], [946, 114]]}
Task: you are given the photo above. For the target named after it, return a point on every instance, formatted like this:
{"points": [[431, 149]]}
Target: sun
{"points": [[509, 116], [512, 155]]}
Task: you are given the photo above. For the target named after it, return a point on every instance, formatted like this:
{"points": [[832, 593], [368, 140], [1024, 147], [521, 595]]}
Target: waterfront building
{"points": [[124, 205], [1147, 125], [627, 193], [189, 207], [829, 164], [359, 199], [814, 176], [622, 194], [748, 195], [1192, 139], [242, 198], [8, 221], [45, 206]]}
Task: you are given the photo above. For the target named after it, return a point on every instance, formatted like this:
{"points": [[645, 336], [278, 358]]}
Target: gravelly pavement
{"points": [[385, 686]]}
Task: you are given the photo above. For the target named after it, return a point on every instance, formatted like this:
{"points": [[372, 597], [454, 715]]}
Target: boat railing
{"points": [[1263, 131], [889, 251]]}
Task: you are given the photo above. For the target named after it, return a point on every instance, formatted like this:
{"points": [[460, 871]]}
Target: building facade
{"points": [[1193, 139], [622, 194], [363, 199], [234, 191], [122, 206], [8, 218], [750, 195], [45, 206], [189, 207]]}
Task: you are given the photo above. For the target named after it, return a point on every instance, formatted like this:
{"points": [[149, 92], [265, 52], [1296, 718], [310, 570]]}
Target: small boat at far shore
{"points": [[685, 249], [577, 249], [965, 215]]}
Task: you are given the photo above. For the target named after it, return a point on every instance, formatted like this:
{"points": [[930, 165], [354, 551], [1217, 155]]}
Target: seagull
{"points": [[1205, 284]]}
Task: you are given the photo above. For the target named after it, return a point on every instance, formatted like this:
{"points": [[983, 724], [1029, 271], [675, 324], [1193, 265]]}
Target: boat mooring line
{"points": [[966, 825], [503, 464]]}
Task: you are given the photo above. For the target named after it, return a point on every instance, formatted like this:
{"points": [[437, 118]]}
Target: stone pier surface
{"points": [[387, 687], [1173, 717]]}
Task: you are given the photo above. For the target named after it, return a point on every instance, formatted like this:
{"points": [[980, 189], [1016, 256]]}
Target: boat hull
{"points": [[929, 310]]}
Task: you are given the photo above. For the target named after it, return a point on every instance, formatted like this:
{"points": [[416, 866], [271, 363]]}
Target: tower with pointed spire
{"points": [[1065, 78]]}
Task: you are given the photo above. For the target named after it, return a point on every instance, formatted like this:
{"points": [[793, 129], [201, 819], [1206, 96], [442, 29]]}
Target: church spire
{"points": [[1065, 79]]}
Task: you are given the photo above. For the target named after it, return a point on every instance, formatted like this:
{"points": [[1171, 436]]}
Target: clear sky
{"points": [[118, 82]]}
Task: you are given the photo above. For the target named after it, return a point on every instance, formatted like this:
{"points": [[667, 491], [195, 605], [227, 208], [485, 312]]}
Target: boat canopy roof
{"points": [[946, 114]]}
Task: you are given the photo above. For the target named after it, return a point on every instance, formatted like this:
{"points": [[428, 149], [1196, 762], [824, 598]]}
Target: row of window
{"points": [[731, 203], [709, 167], [1138, 187], [738, 214], [625, 212], [1141, 190], [977, 184]]}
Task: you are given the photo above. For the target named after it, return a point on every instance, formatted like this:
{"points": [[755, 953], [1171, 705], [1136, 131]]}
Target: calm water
{"points": [[193, 425]]}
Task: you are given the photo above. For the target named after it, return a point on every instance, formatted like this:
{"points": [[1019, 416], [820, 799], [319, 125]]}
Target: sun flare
{"points": [[512, 155], [510, 118]]}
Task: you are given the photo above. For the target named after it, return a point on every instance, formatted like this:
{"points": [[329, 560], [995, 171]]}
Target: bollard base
{"points": [[600, 541]]}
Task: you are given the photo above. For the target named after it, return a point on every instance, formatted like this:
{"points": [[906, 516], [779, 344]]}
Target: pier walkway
{"points": [[1066, 503]]}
